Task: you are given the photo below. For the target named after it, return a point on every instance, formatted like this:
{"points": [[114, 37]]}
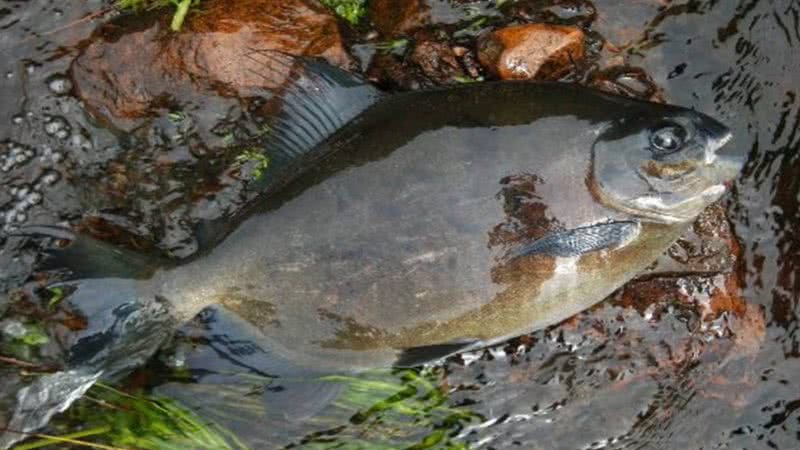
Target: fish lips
{"points": [[725, 160]]}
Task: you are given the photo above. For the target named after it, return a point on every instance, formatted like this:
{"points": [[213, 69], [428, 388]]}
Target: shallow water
{"points": [[613, 377]]}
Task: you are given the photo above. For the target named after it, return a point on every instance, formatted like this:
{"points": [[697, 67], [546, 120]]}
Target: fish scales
{"points": [[399, 237]]}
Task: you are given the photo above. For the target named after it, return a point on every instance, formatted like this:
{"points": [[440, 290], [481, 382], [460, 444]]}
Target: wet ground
{"points": [[707, 360]]}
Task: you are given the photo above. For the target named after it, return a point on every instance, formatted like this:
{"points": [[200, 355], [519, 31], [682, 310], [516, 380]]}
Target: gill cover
{"points": [[662, 164]]}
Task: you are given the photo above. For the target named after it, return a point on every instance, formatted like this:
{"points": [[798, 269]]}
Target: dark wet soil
{"points": [[112, 123]]}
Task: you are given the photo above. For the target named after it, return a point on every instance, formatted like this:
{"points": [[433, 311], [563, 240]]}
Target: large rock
{"points": [[534, 51], [394, 17], [132, 68]]}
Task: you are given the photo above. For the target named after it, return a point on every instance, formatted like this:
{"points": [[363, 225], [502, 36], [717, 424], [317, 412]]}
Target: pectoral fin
{"points": [[577, 241]]}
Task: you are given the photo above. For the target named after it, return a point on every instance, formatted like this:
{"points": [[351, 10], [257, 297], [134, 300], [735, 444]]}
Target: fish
{"points": [[398, 230]]}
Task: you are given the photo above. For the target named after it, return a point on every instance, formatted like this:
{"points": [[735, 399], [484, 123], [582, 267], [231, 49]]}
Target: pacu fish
{"points": [[421, 224]]}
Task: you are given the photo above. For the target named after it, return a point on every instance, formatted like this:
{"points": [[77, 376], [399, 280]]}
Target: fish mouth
{"points": [[728, 160]]}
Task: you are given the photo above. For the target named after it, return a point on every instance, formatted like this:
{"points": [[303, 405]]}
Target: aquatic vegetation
{"points": [[466, 79], [396, 45], [56, 295], [118, 420], [259, 161], [181, 8], [350, 10], [22, 340], [398, 409]]}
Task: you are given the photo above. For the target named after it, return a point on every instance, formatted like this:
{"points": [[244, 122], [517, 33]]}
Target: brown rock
{"points": [[438, 61], [395, 17], [709, 247], [534, 51], [627, 80], [130, 69], [700, 269]]}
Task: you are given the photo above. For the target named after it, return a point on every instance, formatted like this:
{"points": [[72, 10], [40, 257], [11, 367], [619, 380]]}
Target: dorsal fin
{"points": [[317, 100]]}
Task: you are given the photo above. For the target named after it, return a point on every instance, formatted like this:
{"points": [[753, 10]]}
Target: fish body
{"points": [[404, 235]]}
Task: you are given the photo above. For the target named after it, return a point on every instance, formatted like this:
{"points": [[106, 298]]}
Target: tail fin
{"points": [[87, 257], [125, 329]]}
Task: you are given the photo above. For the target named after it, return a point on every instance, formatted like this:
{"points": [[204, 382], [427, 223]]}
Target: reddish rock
{"points": [[709, 247], [128, 70], [534, 51], [395, 17], [700, 269]]}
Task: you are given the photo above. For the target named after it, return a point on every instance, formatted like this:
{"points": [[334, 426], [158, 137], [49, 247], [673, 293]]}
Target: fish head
{"points": [[663, 163]]}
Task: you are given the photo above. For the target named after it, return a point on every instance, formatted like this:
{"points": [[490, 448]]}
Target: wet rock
{"points": [[390, 71], [438, 61], [534, 51], [133, 68], [626, 80], [700, 270], [708, 247], [395, 17], [565, 12]]}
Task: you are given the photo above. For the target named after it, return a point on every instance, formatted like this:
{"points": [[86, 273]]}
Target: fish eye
{"points": [[667, 139]]}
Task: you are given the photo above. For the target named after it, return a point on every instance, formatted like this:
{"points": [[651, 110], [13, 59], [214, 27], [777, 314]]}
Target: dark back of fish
{"points": [[400, 236]]}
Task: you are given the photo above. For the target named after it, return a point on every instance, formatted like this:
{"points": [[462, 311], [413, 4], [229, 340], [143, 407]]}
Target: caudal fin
{"points": [[124, 330], [87, 257]]}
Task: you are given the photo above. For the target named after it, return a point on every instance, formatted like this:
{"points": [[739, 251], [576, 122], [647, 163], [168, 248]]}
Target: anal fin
{"points": [[417, 356]]}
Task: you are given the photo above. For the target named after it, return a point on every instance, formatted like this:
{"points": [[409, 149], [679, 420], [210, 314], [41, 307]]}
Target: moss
{"points": [[258, 160], [350, 10]]}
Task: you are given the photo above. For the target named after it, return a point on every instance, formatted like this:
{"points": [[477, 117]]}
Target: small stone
{"points": [[437, 61], [534, 51], [14, 329], [626, 80], [59, 84]]}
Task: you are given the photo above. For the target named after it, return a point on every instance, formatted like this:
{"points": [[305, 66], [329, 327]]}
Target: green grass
{"points": [[113, 419], [258, 160], [350, 10], [181, 8], [402, 409], [397, 45], [376, 410]]}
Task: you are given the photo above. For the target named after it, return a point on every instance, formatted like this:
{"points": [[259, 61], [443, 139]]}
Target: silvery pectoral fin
{"points": [[577, 241]]}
